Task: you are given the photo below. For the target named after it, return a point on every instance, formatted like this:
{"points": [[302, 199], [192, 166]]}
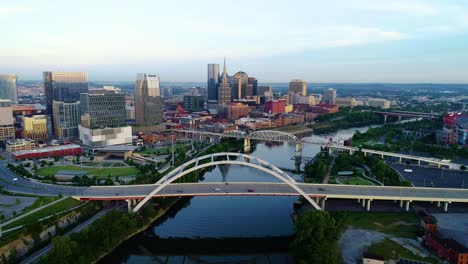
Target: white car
{"points": [[216, 189], [15, 179], [408, 170]]}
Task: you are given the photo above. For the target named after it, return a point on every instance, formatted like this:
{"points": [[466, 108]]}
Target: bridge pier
{"points": [[322, 203], [246, 145], [401, 203], [363, 203], [358, 201], [298, 157], [438, 203], [399, 118], [400, 159], [407, 206], [385, 119], [368, 205], [446, 206]]}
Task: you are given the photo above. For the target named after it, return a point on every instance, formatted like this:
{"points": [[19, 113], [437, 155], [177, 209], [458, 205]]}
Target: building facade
{"points": [[298, 86], [35, 128], [275, 106], [213, 81], [194, 103], [148, 101], [64, 87], [66, 118], [7, 128], [102, 110], [8, 89], [95, 138], [329, 96], [237, 110], [346, 101], [378, 102], [20, 144]]}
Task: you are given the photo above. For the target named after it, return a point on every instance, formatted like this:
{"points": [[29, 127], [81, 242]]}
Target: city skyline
{"points": [[352, 41]]}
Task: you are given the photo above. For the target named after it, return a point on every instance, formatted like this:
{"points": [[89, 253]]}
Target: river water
{"points": [[226, 229]]}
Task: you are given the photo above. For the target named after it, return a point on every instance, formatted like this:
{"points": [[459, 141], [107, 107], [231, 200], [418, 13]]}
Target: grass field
{"points": [[390, 250], [58, 207], [99, 172], [398, 224], [356, 181]]}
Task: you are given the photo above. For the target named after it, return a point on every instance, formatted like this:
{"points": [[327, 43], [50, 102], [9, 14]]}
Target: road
{"points": [[38, 254], [277, 189]]}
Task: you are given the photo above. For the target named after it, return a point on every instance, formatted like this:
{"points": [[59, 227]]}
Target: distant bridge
{"points": [[406, 114]]}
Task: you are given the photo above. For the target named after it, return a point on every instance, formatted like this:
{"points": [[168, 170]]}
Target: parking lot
{"points": [[433, 177]]}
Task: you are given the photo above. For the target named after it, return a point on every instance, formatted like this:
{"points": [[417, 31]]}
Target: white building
{"points": [[96, 138]]}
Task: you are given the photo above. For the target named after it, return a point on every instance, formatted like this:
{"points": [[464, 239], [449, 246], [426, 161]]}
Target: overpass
{"points": [[406, 114], [431, 161]]}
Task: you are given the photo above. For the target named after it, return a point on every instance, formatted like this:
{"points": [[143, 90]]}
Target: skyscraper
{"points": [[8, 88], [298, 86], [213, 81], [224, 92], [64, 87], [253, 81], [329, 96], [148, 102], [66, 118]]}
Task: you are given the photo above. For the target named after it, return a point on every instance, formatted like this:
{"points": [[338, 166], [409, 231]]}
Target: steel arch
{"points": [[272, 135], [246, 160]]}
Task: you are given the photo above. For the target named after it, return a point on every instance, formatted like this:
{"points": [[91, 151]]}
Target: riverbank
{"points": [[160, 213]]}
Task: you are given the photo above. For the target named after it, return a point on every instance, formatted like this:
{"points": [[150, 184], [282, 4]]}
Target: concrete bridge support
{"points": [[363, 203], [131, 203], [401, 203], [322, 203], [446, 206], [246, 145], [407, 206], [368, 205], [385, 119], [298, 157]]}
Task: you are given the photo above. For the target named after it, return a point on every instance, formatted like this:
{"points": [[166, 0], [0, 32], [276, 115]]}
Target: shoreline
{"points": [[159, 214]]}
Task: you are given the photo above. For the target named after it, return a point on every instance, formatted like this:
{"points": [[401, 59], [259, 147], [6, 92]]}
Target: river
{"points": [[225, 229]]}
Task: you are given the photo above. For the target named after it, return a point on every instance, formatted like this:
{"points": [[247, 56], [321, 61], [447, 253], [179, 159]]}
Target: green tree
{"points": [[316, 239], [62, 250]]}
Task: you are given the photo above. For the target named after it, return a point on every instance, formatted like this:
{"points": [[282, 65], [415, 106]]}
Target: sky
{"points": [[397, 41]]}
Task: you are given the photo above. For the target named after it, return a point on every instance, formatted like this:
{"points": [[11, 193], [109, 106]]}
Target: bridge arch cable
{"points": [[224, 158]]}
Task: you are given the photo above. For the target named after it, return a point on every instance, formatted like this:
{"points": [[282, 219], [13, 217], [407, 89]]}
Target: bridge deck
{"points": [[278, 189]]}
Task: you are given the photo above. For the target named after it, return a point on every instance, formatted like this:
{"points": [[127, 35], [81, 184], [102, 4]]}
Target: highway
{"points": [[277, 189]]}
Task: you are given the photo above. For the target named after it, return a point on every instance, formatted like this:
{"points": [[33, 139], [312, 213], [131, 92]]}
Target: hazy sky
{"points": [[275, 41]]}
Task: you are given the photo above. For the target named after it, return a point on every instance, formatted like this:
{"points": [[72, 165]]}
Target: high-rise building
{"points": [[213, 81], [103, 120], [329, 96], [64, 87], [239, 84], [102, 110], [8, 89], [7, 128], [193, 103], [35, 128], [253, 81], [66, 118], [224, 92], [298, 86], [148, 102]]}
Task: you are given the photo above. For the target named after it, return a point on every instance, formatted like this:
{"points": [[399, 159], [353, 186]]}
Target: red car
{"points": [[250, 190]]}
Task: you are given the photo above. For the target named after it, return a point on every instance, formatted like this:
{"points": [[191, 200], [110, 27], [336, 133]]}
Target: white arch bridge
{"points": [[139, 195]]}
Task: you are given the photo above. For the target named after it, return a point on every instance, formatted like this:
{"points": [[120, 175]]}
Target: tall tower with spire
{"points": [[224, 92]]}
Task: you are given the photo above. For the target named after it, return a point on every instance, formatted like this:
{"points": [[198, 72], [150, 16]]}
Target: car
{"points": [[408, 170], [179, 191], [216, 189], [250, 190], [15, 179], [321, 189]]}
